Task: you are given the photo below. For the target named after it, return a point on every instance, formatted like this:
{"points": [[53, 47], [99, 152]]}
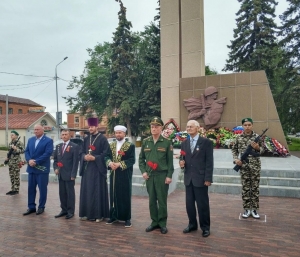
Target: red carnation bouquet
{"points": [[92, 147], [121, 153], [60, 165], [182, 158], [182, 155], [152, 165]]}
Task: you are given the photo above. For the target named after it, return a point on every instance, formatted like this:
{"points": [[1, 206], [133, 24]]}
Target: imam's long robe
{"points": [[93, 191], [121, 180]]}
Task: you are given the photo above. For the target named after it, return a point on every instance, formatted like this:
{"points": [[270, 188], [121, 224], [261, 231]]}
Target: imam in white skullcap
{"points": [[120, 128]]}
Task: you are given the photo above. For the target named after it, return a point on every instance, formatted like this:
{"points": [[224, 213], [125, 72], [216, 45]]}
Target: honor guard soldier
{"points": [[156, 165], [15, 162], [250, 172]]}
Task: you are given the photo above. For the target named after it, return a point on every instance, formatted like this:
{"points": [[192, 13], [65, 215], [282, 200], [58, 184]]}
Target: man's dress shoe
{"points": [[29, 211], [205, 233], [163, 230], [39, 211], [189, 228], [151, 228], [69, 216], [61, 214]]}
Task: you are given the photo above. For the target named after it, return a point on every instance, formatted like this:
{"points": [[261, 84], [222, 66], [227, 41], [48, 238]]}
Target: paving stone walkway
{"points": [[43, 235]]}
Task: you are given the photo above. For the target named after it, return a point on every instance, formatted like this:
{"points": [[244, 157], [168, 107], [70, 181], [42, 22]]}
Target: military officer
{"points": [[156, 165], [250, 172], [14, 162]]}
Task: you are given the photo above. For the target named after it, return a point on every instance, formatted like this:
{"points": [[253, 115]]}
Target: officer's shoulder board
{"points": [[146, 138]]}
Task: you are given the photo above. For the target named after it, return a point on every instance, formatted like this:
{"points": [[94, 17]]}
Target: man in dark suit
{"points": [[65, 165], [37, 154], [198, 164]]}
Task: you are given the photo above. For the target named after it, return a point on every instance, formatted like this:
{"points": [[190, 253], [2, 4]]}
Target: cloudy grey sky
{"points": [[36, 35]]}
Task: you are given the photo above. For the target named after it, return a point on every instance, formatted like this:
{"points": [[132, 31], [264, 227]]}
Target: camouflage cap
{"points": [[247, 119], [156, 121], [15, 132]]}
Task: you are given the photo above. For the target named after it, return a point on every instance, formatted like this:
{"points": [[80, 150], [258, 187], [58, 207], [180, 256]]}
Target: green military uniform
{"points": [[160, 153], [250, 172], [13, 164]]}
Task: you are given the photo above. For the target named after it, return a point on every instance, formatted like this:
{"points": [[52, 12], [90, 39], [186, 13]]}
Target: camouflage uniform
{"points": [[250, 172], [13, 164]]}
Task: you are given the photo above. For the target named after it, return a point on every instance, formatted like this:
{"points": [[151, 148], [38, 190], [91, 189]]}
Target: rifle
{"points": [[250, 151], [11, 151]]}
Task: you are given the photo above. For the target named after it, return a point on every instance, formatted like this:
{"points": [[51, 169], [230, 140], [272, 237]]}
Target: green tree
{"points": [[210, 71], [122, 79], [254, 46], [148, 68], [290, 41], [123, 90], [93, 84], [290, 33]]}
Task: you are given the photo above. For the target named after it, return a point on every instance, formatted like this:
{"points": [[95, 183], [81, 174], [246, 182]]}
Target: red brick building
{"points": [[77, 121], [17, 105]]}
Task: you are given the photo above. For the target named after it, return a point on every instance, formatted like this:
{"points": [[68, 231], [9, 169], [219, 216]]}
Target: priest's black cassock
{"points": [[121, 180], [93, 190]]}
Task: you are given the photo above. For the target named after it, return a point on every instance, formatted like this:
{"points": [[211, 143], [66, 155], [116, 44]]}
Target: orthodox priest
{"points": [[120, 161], [93, 191]]}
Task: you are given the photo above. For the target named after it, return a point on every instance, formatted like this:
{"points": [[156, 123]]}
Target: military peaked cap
{"points": [[156, 121]]}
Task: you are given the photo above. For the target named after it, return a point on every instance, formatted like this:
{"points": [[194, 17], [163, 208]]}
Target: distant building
{"points": [[17, 105], [24, 125], [76, 121]]}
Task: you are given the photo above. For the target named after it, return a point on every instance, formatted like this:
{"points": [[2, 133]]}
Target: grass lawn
{"points": [[295, 146]]}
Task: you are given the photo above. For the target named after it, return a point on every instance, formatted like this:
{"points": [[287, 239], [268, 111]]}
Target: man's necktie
{"points": [[63, 148], [192, 145]]}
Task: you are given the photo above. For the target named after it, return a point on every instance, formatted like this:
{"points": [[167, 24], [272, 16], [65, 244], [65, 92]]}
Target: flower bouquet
{"points": [[153, 166], [182, 158]]}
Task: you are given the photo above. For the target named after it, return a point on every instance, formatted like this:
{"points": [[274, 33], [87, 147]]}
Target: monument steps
{"points": [[279, 176], [282, 183]]}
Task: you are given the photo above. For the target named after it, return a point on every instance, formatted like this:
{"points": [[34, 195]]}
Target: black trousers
{"points": [[67, 196], [200, 196]]}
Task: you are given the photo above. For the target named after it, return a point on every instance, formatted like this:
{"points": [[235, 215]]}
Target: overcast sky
{"points": [[36, 35]]}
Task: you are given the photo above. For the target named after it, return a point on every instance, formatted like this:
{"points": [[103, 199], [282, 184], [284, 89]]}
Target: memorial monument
{"points": [[183, 76]]}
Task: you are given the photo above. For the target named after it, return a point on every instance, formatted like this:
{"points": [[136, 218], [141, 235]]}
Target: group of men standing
{"points": [[96, 156]]}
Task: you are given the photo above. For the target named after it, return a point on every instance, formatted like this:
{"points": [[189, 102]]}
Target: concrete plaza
{"points": [[276, 234]]}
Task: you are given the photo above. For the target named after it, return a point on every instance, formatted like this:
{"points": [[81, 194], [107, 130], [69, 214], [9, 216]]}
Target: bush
{"points": [[295, 140], [4, 148]]}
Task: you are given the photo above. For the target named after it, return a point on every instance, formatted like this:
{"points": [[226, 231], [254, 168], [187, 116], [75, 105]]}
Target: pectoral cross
{"points": [[90, 151]]}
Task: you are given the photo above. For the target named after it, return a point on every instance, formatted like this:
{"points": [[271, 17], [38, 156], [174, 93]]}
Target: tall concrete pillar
{"points": [[182, 50]]}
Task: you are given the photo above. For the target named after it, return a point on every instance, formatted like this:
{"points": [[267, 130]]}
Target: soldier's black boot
{"points": [[9, 193]]}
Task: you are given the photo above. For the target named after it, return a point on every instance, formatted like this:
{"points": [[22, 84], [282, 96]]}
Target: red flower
{"points": [[93, 148], [152, 165], [182, 153], [121, 153], [59, 164]]}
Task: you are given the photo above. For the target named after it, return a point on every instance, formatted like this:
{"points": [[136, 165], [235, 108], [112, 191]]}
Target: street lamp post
{"points": [[57, 114]]}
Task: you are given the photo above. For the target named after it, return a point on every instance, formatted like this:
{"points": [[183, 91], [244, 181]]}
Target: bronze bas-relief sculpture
{"points": [[207, 107]]}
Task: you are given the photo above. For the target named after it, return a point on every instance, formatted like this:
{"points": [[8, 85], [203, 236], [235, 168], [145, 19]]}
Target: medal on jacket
{"points": [[197, 148]]}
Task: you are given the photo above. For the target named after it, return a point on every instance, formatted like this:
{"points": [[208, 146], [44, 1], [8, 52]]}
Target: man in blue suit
{"points": [[37, 154]]}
